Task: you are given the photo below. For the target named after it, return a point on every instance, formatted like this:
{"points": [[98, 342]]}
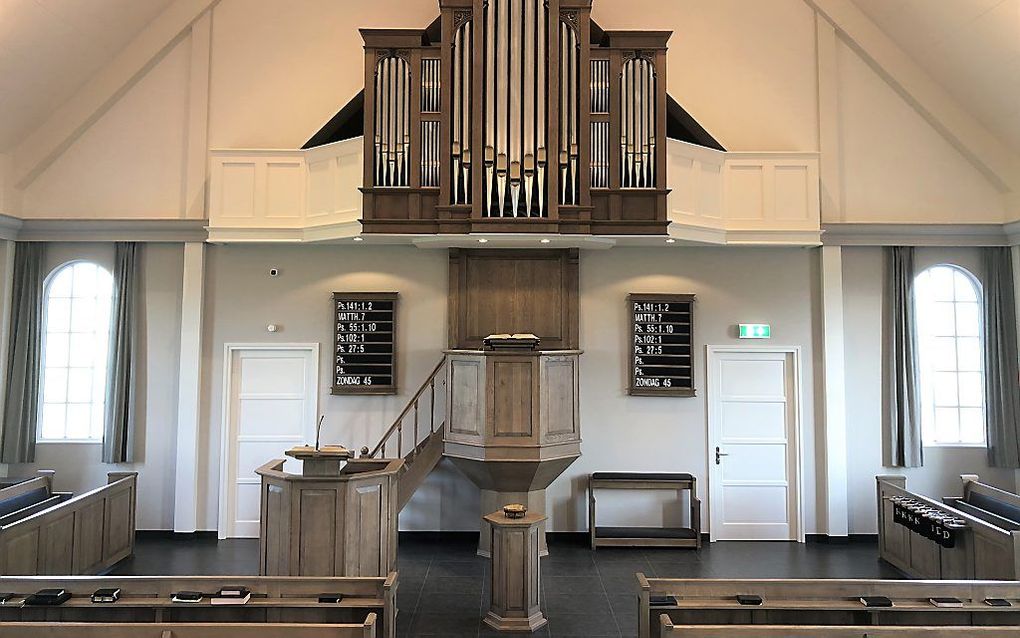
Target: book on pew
{"points": [[876, 601], [106, 595], [231, 596], [187, 597], [946, 601], [998, 602], [48, 597], [662, 601], [332, 599], [749, 599], [6, 597]]}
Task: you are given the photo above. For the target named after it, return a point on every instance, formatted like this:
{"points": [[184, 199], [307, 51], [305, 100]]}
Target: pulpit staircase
{"points": [[416, 435]]}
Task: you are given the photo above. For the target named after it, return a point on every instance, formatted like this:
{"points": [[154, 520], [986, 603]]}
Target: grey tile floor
{"points": [[443, 588]]}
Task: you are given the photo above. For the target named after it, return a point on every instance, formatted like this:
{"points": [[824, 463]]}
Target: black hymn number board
{"points": [[364, 343], [661, 344]]}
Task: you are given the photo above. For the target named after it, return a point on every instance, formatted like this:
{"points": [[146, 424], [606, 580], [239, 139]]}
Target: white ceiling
{"points": [[50, 48], [970, 47]]}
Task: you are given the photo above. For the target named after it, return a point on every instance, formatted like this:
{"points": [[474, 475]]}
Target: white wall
{"points": [[131, 161], [940, 476], [619, 432], [78, 465]]}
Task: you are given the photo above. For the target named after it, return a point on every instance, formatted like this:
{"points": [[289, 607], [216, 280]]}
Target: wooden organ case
{"points": [[515, 122]]}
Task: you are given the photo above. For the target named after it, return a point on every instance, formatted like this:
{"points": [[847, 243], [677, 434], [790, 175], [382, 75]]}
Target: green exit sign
{"points": [[755, 331]]}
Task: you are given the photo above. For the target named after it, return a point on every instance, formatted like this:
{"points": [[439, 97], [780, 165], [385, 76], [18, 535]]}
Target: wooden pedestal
{"points": [[515, 573]]}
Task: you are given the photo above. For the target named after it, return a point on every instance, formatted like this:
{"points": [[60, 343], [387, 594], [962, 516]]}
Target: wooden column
{"points": [[515, 573]]}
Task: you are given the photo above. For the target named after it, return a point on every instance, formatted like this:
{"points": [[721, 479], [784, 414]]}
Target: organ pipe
{"points": [[392, 118], [638, 128]]}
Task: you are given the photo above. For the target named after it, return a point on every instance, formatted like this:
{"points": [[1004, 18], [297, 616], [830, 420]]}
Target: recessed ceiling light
{"points": [[670, 241], [544, 241], [359, 239], [483, 241]]}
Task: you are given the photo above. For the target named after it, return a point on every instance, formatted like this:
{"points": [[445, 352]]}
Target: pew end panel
{"points": [[987, 548], [84, 534]]}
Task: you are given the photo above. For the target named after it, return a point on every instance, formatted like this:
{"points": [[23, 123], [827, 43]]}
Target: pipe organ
{"points": [[517, 120]]}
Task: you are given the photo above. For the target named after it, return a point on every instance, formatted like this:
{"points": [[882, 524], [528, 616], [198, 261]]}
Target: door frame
{"points": [[794, 354], [225, 495]]}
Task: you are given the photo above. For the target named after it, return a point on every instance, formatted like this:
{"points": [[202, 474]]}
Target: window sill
{"points": [[982, 446], [71, 441]]}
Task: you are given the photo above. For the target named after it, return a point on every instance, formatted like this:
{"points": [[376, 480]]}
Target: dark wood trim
{"points": [[569, 260]]}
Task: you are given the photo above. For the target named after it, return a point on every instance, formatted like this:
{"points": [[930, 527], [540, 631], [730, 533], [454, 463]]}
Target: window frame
{"points": [[927, 414], [47, 283]]}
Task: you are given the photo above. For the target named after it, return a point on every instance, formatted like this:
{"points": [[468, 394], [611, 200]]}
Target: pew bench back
{"points": [[667, 628], [366, 629]]}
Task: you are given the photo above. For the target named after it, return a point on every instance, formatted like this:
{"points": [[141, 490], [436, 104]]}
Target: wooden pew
{"points": [[808, 602], [366, 629], [986, 548], [147, 600], [84, 534], [667, 628]]}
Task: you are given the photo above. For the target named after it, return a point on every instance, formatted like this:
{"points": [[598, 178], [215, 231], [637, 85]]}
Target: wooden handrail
{"points": [[396, 427]]}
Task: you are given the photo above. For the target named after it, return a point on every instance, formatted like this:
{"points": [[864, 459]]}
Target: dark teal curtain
{"points": [[24, 354], [119, 430], [903, 445], [1002, 368]]}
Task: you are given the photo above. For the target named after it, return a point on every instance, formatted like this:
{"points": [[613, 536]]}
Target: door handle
{"points": [[719, 455]]}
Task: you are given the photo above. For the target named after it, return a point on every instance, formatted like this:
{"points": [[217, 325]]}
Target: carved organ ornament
{"points": [[515, 122]]}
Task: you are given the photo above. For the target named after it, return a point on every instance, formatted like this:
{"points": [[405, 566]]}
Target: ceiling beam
{"points": [[982, 148], [45, 144]]}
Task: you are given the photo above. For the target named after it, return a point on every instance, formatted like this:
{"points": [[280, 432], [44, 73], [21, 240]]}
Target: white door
{"points": [[754, 456], [270, 407]]}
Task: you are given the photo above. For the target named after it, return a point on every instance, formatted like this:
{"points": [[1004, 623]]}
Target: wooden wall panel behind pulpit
{"points": [[508, 291]]}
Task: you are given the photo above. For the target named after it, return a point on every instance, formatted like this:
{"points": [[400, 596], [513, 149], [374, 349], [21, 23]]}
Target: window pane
{"points": [[971, 389], [970, 354], [943, 323], [58, 315], [83, 315], [97, 421], [943, 353], [82, 350], [56, 350], [941, 283], [52, 421], [947, 425], [968, 320], [60, 284], [55, 385], [965, 288], [946, 392], [79, 420], [84, 280], [972, 425], [79, 385]]}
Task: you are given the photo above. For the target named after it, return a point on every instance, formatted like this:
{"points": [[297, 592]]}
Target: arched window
{"points": [[951, 348], [75, 347]]}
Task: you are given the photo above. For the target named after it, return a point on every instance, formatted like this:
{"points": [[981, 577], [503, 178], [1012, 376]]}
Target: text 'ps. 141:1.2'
{"points": [[662, 330], [364, 343]]}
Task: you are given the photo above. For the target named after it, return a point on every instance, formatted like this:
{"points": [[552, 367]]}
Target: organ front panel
{"points": [[516, 121]]}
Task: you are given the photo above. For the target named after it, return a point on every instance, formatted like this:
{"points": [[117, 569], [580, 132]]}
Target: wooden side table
{"points": [[515, 573]]}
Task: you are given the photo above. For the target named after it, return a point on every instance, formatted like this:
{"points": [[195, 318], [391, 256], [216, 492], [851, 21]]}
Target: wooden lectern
{"points": [[331, 520]]}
